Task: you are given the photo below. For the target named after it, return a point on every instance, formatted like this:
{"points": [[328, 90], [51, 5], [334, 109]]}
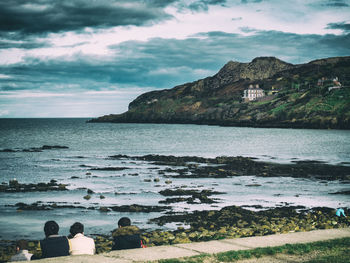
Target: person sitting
{"points": [[53, 245], [126, 236], [80, 244], [22, 253]]}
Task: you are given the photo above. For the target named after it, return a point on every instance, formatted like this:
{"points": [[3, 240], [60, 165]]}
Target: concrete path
{"points": [[197, 248]]}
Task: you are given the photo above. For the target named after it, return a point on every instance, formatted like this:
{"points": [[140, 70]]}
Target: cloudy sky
{"points": [[86, 58]]}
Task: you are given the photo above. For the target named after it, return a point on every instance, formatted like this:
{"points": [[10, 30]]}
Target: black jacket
{"points": [[54, 246], [126, 237]]}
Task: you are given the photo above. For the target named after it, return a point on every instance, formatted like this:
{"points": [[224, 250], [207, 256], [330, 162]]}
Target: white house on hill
{"points": [[253, 93]]}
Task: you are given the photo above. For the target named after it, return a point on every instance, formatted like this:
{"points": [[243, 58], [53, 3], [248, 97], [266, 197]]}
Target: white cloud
{"points": [[285, 16], [4, 76], [67, 72], [4, 112], [121, 92], [31, 94]]}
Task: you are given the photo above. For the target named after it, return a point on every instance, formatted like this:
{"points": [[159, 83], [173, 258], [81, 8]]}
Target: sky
{"points": [[88, 58]]}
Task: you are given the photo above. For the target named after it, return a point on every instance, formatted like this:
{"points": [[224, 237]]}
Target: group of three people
{"points": [[126, 236]]}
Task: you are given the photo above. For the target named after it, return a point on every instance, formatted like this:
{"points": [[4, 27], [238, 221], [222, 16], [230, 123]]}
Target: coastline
{"points": [[317, 125], [229, 222]]}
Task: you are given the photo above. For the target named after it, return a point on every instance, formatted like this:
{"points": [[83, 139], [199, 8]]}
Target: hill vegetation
{"points": [[297, 96]]}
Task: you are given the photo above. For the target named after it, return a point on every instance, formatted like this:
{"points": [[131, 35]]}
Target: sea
{"points": [[91, 145]]}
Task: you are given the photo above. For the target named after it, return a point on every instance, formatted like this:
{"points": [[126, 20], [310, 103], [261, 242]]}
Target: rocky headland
{"points": [[311, 95]]}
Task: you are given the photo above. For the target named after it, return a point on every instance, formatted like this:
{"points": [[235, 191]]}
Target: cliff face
{"points": [[299, 100]]}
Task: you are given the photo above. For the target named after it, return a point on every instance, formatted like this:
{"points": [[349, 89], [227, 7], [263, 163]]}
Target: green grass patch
{"points": [[336, 250], [294, 249], [258, 103], [295, 96], [194, 259], [280, 108], [338, 256]]}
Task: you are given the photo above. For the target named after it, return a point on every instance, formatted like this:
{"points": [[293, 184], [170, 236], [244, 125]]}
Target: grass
{"points": [[336, 251]]}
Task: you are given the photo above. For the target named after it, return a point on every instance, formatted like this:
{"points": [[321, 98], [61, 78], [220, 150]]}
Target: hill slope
{"points": [[301, 100]]}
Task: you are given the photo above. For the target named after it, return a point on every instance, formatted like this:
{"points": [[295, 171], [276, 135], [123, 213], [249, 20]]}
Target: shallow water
{"points": [[90, 144]]}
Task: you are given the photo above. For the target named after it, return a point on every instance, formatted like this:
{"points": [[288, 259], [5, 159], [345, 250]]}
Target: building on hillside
{"points": [[336, 84], [320, 82], [273, 91], [253, 93], [334, 87]]}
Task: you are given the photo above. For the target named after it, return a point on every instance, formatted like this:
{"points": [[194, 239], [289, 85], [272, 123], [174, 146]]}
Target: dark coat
{"points": [[126, 237], [54, 246]]}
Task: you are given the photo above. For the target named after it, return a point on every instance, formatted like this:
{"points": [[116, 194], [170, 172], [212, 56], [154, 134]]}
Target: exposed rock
{"points": [[341, 193], [223, 166], [89, 191], [139, 208], [104, 209], [15, 186], [253, 185], [40, 206], [87, 197], [177, 192], [109, 168], [229, 222], [36, 149], [50, 147], [197, 197]]}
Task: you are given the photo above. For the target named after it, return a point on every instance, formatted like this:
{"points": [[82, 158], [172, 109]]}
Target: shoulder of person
{"points": [[126, 231]]}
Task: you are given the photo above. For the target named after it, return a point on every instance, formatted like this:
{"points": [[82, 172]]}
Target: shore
{"points": [[223, 250], [229, 222]]}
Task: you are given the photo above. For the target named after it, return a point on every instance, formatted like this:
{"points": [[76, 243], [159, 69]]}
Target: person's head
{"points": [[51, 228], [76, 228], [124, 221], [21, 245]]}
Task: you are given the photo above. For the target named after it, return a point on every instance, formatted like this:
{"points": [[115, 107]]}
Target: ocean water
{"points": [[90, 144]]}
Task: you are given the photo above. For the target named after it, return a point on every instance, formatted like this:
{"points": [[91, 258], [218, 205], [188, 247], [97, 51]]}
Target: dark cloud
{"points": [[246, 29], [336, 3], [19, 40], [42, 16], [250, 1], [161, 3], [343, 26], [199, 5], [164, 63]]}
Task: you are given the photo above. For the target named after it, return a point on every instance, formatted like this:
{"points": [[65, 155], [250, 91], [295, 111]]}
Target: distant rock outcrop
{"points": [[299, 97]]}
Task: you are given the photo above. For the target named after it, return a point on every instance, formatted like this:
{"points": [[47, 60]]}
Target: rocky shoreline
{"points": [[229, 222], [36, 149], [224, 166], [13, 186]]}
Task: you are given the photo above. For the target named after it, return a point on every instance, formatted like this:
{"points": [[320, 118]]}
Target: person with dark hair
{"points": [[53, 245], [80, 244], [22, 253], [126, 236]]}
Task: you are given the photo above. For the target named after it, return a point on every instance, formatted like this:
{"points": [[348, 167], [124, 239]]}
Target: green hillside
{"points": [[297, 96]]}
